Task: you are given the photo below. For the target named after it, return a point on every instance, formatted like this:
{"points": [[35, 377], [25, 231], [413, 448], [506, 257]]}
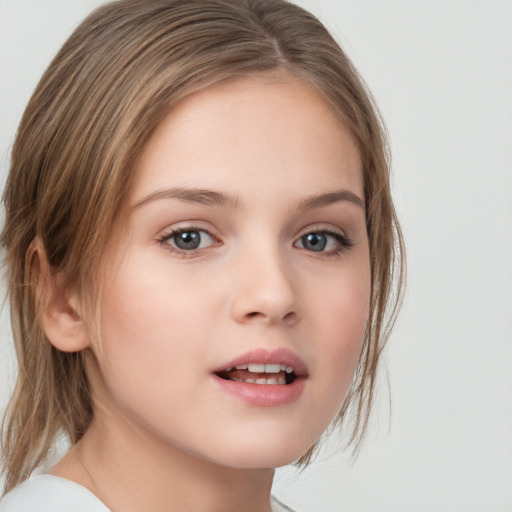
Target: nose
{"points": [[265, 290]]}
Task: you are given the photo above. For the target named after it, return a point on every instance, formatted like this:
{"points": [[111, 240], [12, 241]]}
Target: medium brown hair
{"points": [[84, 128]]}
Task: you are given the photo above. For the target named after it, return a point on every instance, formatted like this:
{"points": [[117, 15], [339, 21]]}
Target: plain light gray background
{"points": [[441, 72]]}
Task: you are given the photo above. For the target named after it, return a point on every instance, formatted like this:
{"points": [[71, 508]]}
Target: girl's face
{"points": [[234, 314]]}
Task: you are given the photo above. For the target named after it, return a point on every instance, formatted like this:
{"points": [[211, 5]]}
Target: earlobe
{"points": [[61, 322]]}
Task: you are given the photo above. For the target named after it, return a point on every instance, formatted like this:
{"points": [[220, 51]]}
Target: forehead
{"points": [[247, 134]]}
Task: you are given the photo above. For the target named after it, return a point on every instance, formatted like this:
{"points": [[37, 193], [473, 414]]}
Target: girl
{"points": [[201, 247]]}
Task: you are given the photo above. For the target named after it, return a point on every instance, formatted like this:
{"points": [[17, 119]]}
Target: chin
{"points": [[270, 454]]}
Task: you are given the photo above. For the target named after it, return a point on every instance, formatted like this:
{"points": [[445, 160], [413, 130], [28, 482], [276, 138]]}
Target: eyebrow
{"points": [[192, 195], [212, 198], [320, 200]]}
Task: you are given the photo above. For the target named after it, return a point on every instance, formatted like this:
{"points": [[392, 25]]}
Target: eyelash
{"points": [[343, 242]]}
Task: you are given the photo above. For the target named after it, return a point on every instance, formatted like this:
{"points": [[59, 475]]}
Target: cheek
{"points": [[142, 321], [341, 304], [341, 327], [341, 314], [148, 304], [156, 321]]}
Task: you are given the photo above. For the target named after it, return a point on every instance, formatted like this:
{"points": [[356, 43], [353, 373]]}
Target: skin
{"points": [[162, 427]]}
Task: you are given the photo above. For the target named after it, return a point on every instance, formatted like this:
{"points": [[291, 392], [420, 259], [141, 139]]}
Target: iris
{"points": [[314, 241], [187, 240]]}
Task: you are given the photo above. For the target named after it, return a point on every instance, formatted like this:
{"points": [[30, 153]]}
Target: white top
{"points": [[48, 493]]}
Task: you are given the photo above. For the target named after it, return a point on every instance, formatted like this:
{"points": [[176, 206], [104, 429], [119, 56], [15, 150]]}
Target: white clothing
{"points": [[48, 493]]}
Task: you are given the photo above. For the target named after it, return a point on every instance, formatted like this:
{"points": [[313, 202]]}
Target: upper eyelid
{"points": [[170, 232], [192, 225], [340, 236], [188, 228], [322, 227], [173, 229]]}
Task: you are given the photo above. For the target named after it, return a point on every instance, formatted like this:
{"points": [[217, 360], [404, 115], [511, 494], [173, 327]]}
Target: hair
{"points": [[72, 162]]}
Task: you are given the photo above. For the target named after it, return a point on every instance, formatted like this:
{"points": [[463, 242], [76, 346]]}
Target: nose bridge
{"points": [[265, 285]]}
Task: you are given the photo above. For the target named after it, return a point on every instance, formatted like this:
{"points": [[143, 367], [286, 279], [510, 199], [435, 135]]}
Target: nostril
{"points": [[290, 317]]}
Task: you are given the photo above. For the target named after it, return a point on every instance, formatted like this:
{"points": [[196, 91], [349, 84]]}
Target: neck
{"points": [[128, 471]]}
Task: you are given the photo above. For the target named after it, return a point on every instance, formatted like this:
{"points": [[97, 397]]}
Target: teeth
{"points": [[272, 368], [256, 368], [266, 368], [276, 371]]}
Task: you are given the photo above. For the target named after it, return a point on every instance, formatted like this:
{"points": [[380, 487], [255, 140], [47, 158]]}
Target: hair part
{"points": [[99, 101]]}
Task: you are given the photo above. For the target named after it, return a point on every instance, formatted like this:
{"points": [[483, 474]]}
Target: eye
{"points": [[188, 239], [323, 241]]}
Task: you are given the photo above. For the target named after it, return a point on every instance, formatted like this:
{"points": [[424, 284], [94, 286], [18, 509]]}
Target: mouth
{"points": [[264, 378], [273, 374]]}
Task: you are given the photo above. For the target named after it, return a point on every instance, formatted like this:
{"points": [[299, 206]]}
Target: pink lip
{"points": [[265, 395]]}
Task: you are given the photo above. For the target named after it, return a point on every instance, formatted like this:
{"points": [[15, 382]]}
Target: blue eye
{"points": [[324, 242], [314, 241], [188, 239]]}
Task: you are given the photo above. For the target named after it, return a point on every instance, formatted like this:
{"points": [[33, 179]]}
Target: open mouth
{"points": [[255, 373], [264, 378]]}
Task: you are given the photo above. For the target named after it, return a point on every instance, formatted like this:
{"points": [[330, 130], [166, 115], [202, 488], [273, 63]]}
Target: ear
{"points": [[61, 321]]}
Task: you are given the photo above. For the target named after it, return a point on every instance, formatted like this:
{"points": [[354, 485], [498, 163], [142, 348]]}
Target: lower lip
{"points": [[263, 395]]}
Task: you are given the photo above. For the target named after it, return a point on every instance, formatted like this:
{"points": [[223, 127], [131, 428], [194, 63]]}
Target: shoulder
{"points": [[47, 493], [277, 506]]}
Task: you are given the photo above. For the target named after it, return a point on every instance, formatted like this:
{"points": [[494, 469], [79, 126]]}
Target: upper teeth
{"points": [[265, 368]]}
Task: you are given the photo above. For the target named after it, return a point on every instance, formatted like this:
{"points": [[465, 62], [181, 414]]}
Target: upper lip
{"points": [[265, 356]]}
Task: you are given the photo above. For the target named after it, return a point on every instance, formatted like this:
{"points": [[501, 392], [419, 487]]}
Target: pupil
{"points": [[315, 241], [187, 240]]}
